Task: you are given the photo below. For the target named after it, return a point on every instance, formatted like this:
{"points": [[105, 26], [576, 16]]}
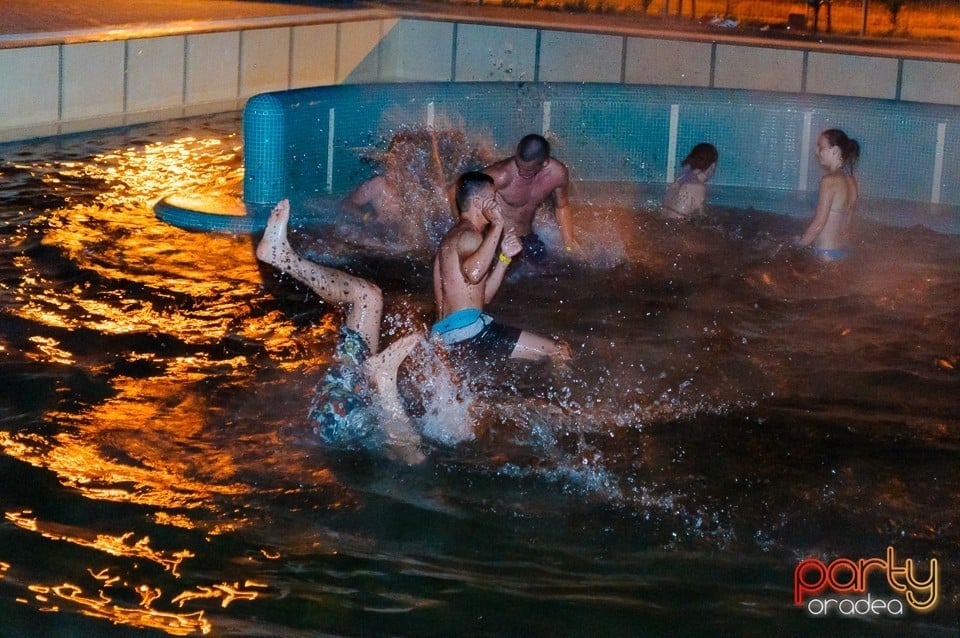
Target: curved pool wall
{"points": [[306, 143]]}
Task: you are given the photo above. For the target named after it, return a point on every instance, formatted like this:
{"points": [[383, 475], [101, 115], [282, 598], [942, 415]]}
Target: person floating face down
{"points": [[828, 231], [467, 272], [362, 377], [686, 197], [524, 182]]}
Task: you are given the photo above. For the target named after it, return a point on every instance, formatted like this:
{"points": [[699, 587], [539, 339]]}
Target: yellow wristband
{"points": [[506, 260]]}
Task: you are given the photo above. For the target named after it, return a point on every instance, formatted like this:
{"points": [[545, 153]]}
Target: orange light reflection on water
{"points": [[71, 597], [104, 608], [226, 592], [154, 481], [113, 545]]}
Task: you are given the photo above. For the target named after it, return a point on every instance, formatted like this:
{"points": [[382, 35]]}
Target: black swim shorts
{"points": [[494, 343], [533, 248]]}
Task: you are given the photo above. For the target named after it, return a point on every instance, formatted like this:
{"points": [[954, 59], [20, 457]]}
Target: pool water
{"points": [[733, 407]]}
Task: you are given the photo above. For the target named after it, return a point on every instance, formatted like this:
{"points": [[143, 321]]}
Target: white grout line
{"points": [[430, 114], [672, 142], [546, 117], [805, 151], [331, 123], [938, 163]]}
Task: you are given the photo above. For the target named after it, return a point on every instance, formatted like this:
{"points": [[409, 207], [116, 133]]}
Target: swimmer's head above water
{"points": [[686, 197], [702, 157], [835, 149], [533, 151]]}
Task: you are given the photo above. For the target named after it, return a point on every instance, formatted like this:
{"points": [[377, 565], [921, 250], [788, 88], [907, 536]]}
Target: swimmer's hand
{"points": [[491, 210], [563, 353], [510, 244], [572, 247]]}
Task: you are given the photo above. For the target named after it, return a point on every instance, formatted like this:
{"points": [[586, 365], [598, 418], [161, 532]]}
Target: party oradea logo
{"points": [[867, 587]]}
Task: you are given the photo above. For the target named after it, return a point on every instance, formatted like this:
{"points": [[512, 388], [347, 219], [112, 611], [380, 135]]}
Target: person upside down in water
{"points": [[363, 377]]}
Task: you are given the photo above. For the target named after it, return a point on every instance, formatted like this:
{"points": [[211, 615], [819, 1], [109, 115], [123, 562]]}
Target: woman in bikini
{"points": [[688, 194], [827, 234]]}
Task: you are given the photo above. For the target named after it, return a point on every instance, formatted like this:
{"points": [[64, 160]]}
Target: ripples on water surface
{"points": [[733, 409]]}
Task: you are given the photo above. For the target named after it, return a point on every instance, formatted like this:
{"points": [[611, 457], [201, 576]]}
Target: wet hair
{"points": [[701, 157], [533, 147], [468, 185], [849, 147]]}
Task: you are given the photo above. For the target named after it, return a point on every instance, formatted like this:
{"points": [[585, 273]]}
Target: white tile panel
{"points": [[93, 78], [264, 61], [667, 62], [358, 59], [155, 73], [743, 67], [417, 51], [29, 86], [567, 56], [495, 54], [213, 63], [313, 57]]}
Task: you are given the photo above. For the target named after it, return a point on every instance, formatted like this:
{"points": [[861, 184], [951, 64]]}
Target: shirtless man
{"points": [[362, 377], [467, 272], [374, 198], [525, 181], [827, 233], [407, 200]]}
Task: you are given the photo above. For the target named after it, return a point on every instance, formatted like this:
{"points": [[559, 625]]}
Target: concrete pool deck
{"points": [[48, 22]]}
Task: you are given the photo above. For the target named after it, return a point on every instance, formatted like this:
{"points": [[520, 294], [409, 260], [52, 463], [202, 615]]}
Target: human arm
{"points": [[563, 212], [510, 247], [475, 260]]}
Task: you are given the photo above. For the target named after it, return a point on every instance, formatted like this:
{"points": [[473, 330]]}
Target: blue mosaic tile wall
{"points": [[604, 133]]}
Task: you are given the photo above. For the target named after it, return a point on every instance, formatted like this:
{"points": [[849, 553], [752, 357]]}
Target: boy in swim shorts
{"points": [[477, 332], [467, 272]]}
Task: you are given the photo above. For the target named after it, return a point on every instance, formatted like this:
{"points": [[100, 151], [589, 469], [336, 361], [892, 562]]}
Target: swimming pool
{"points": [[733, 408], [304, 142]]}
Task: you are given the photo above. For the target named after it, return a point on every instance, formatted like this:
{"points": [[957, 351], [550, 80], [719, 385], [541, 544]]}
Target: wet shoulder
{"points": [[556, 171]]}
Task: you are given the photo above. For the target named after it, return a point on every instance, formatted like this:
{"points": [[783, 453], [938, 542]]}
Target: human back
{"points": [[686, 197], [828, 232]]}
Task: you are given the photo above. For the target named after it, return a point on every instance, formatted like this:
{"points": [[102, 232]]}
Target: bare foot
{"points": [[274, 246], [382, 368]]}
